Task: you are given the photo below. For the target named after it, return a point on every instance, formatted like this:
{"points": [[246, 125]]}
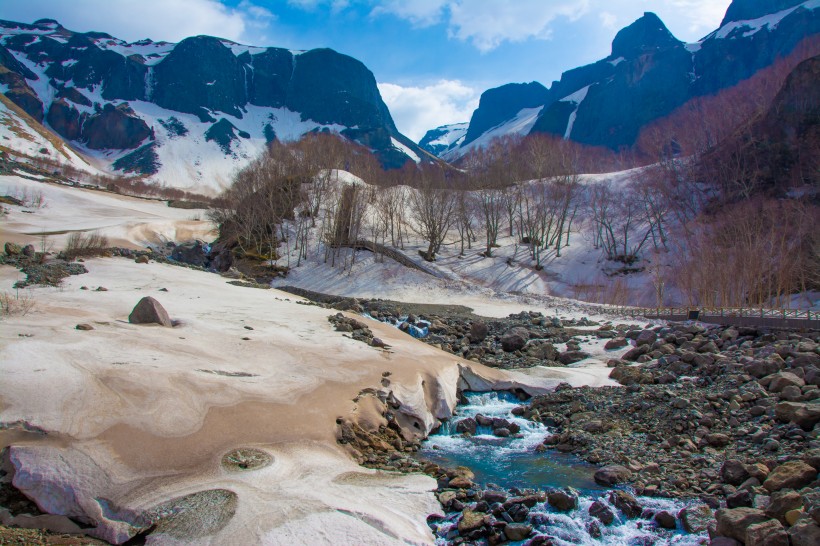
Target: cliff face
{"points": [[104, 94]]}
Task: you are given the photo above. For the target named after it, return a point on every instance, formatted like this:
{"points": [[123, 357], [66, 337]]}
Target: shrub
{"points": [[15, 304], [83, 245]]}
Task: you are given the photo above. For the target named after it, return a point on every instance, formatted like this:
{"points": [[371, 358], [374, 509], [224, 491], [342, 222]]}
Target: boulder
{"points": [[478, 331], [782, 502], [695, 519], [781, 380], [190, 253], [467, 425], [471, 521], [601, 511], [616, 343], [149, 311], [733, 522], [514, 339], [790, 475], [767, 533], [563, 500], [13, 249], [734, 472], [571, 357], [665, 520], [805, 532], [646, 337], [626, 503], [517, 531], [612, 475], [29, 251]]}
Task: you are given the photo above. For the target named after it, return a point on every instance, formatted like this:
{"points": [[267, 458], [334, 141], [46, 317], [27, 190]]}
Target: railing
{"points": [[763, 317]]}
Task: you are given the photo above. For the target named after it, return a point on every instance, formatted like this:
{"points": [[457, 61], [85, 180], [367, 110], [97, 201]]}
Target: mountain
{"points": [[648, 74], [188, 114], [441, 139]]}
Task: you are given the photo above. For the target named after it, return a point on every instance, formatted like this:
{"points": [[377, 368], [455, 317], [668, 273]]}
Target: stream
{"points": [[512, 462]]}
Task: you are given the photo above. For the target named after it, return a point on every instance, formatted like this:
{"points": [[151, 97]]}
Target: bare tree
{"points": [[432, 212]]}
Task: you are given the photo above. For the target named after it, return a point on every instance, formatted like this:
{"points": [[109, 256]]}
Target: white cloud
{"points": [[419, 109], [608, 20], [488, 23], [420, 13], [131, 20]]}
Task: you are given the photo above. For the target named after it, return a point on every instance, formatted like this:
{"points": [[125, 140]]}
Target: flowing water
{"points": [[513, 463]]}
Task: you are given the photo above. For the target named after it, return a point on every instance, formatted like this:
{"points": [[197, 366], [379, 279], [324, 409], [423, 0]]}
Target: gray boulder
{"points": [[150, 311]]}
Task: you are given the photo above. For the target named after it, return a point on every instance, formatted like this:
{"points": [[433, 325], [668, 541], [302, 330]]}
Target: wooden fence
{"points": [[771, 318]]}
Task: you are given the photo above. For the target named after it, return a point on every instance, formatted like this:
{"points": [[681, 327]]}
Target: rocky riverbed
{"points": [[722, 418]]}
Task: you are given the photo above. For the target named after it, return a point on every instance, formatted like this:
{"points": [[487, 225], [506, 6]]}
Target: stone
{"points": [[84, 327], [13, 249], [141, 259], [717, 440], [804, 532], [601, 511], [781, 380], [724, 541], [467, 425], [517, 531], [563, 500], [150, 311], [665, 520], [616, 343], [626, 503], [571, 357], [612, 475], [494, 496], [28, 251], [792, 516], [646, 337], [741, 497], [514, 339], [734, 472], [471, 521], [767, 533], [478, 331], [782, 502], [461, 482], [790, 475], [733, 522], [695, 519]]}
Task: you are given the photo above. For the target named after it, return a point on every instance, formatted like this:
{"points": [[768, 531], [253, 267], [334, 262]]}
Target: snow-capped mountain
{"points": [[441, 139], [187, 115], [648, 74]]}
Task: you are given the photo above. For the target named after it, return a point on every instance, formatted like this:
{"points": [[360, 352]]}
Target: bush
{"points": [[84, 245], [12, 305]]}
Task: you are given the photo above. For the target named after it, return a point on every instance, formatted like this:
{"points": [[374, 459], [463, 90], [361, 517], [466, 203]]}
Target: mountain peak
{"points": [[647, 33], [744, 10], [47, 24]]}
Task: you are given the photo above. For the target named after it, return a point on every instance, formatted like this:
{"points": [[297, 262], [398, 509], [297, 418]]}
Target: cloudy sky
{"points": [[432, 58]]}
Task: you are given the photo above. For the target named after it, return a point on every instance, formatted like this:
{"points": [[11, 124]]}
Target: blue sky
{"points": [[432, 58]]}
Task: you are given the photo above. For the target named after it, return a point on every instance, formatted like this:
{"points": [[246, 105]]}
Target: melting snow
{"points": [[753, 26], [405, 150]]}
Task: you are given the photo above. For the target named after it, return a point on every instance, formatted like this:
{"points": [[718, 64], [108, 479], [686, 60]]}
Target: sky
{"points": [[431, 58]]}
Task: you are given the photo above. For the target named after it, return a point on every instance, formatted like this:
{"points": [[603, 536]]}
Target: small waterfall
{"points": [[513, 462]]}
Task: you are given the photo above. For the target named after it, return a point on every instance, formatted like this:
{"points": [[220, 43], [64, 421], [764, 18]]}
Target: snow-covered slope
{"points": [[441, 139]]}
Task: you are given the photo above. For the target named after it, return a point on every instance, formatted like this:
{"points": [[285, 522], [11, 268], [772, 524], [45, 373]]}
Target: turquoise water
{"points": [[507, 462], [513, 462]]}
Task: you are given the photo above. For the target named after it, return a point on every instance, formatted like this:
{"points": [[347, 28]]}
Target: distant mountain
{"points": [[188, 114], [437, 141], [649, 74]]}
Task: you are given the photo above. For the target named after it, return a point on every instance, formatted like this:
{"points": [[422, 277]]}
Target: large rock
{"points": [[150, 311], [767, 533], [734, 522], [805, 532], [514, 339], [612, 475], [781, 380], [601, 511], [695, 519], [646, 337], [782, 502], [790, 475], [734, 472], [478, 331], [626, 503], [571, 357], [563, 500]]}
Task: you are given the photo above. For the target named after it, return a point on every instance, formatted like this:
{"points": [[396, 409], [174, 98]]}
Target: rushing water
{"points": [[513, 462], [420, 329]]}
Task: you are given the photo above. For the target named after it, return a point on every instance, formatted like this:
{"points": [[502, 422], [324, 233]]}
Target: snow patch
{"points": [[405, 150], [753, 26]]}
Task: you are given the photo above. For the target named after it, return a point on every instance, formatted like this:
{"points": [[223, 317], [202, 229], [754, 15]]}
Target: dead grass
{"points": [[85, 245], [16, 304]]}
